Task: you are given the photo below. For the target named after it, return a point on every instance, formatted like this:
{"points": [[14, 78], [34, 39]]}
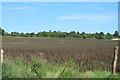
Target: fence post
{"points": [[2, 55], [115, 60]]}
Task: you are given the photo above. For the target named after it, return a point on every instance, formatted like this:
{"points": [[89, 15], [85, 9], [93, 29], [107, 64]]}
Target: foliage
{"points": [[114, 76], [2, 31], [18, 69], [59, 34]]}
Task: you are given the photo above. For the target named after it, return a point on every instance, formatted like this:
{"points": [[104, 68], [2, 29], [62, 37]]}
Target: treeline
{"points": [[59, 34]]}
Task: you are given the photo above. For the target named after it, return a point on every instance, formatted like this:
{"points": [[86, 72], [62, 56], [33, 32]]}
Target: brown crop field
{"points": [[89, 54]]}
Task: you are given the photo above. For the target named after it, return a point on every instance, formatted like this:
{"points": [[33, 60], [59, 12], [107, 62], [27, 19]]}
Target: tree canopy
{"points": [[59, 34]]}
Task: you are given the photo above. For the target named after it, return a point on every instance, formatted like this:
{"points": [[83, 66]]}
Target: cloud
{"points": [[0, 6], [59, 0], [85, 17], [50, 4], [19, 8], [95, 6], [43, 3], [58, 4]]}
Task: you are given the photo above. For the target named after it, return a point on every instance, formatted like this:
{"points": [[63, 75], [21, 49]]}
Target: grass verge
{"points": [[20, 69]]}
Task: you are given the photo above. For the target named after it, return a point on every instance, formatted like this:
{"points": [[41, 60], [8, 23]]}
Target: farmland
{"points": [[81, 54]]}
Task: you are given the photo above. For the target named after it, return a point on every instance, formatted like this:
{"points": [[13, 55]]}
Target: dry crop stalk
{"points": [[62, 72], [35, 70], [115, 60]]}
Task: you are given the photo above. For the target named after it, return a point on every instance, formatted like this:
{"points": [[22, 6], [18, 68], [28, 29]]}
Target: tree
{"points": [[49, 31], [96, 35], [72, 34], [15, 33], [82, 33], [6, 34], [38, 34], [22, 35], [2, 31], [116, 33], [101, 34], [32, 34], [60, 34], [84, 36], [78, 33], [27, 34], [108, 36], [101, 37]]}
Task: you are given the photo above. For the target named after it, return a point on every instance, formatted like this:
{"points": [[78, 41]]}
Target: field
{"points": [[80, 54]]}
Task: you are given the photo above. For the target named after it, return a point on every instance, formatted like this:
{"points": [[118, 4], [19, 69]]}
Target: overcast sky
{"points": [[87, 17]]}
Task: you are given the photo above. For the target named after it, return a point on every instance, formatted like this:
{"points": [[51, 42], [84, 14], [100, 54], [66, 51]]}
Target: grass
{"points": [[19, 69]]}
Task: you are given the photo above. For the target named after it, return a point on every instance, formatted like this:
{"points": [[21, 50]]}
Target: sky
{"points": [[86, 17]]}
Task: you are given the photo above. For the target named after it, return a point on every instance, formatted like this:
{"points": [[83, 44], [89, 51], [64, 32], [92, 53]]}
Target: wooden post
{"points": [[2, 55], [115, 60]]}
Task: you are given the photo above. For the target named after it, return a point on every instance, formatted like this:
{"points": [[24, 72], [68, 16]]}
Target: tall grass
{"points": [[19, 68]]}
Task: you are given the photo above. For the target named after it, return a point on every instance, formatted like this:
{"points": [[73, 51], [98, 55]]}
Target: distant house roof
{"points": [[116, 39]]}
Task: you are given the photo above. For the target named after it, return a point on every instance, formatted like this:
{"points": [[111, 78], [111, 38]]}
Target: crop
{"points": [[79, 55]]}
